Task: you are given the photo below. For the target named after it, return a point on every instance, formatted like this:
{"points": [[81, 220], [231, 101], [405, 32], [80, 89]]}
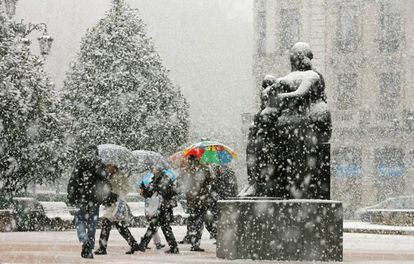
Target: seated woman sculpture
{"points": [[287, 153]]}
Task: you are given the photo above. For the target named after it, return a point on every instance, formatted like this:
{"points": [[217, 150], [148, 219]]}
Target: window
{"points": [[347, 162], [347, 91], [390, 89], [389, 162], [348, 29], [390, 29], [289, 24]]}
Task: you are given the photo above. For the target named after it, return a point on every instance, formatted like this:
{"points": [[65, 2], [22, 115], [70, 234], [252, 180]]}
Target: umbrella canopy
{"points": [[147, 179], [145, 157], [210, 152], [117, 155]]}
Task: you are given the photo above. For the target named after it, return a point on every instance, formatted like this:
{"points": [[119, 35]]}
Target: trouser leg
{"points": [[80, 224], [213, 220], [125, 233], [86, 220], [191, 226], [156, 238], [197, 226], [169, 235], [92, 222], [208, 221], [152, 228], [165, 220], [105, 232], [187, 236]]}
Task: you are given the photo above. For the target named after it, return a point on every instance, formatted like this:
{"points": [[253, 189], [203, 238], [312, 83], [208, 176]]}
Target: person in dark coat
{"points": [[224, 187], [163, 185], [198, 196], [88, 187]]}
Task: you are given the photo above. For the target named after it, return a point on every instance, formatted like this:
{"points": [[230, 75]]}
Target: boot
{"points": [[186, 240], [159, 245], [172, 250], [87, 251], [136, 247], [104, 237], [100, 251], [197, 248]]}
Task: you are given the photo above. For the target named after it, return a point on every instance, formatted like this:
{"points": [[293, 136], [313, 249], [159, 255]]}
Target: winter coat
{"points": [[88, 183], [120, 186], [162, 183], [198, 193], [225, 184]]}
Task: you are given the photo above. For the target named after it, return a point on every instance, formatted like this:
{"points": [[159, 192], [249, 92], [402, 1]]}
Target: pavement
{"points": [[63, 247]]}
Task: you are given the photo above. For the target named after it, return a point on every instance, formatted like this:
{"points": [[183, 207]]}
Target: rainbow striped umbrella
{"points": [[210, 152]]}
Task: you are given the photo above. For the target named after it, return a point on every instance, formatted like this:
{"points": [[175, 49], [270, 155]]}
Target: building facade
{"points": [[365, 51]]}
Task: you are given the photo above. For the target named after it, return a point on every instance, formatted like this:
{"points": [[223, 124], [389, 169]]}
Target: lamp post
{"points": [[23, 30], [45, 44], [10, 7]]}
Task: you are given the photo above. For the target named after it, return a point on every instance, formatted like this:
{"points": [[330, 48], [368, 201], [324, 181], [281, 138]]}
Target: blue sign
{"points": [[391, 171], [348, 170]]}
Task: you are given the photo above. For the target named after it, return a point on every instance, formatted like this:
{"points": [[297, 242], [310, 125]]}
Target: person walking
{"points": [[117, 213], [146, 183], [163, 199], [224, 187], [197, 199], [88, 187]]}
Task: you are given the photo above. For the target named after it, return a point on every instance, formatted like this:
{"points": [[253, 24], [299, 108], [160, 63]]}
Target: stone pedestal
{"points": [[271, 229]]}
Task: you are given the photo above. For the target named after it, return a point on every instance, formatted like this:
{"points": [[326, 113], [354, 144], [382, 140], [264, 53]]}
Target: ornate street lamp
{"points": [[25, 41], [45, 44], [45, 41], [22, 29], [10, 7]]}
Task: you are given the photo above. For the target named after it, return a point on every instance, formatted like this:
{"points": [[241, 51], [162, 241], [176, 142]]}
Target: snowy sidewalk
{"points": [[63, 247], [364, 227]]}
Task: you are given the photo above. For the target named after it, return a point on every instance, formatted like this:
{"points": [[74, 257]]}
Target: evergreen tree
{"points": [[117, 90], [31, 137]]}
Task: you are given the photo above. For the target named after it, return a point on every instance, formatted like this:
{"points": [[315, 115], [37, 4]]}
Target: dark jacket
{"points": [[198, 193], [225, 183], [89, 183], [163, 185]]}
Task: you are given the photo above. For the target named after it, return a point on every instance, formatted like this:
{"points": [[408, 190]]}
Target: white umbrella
{"points": [[117, 155], [143, 157]]}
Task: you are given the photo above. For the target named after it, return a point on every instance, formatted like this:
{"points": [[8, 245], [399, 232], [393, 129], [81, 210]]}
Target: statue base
{"points": [[271, 229]]}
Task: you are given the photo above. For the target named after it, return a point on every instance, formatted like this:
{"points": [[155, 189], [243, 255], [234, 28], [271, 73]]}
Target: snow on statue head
{"points": [[301, 56]]}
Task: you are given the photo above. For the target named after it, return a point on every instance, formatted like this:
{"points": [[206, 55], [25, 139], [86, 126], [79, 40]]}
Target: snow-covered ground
{"points": [[365, 227], [62, 247]]}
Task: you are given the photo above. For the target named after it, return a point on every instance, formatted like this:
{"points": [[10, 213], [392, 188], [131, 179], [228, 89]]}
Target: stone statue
{"points": [[288, 152]]}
